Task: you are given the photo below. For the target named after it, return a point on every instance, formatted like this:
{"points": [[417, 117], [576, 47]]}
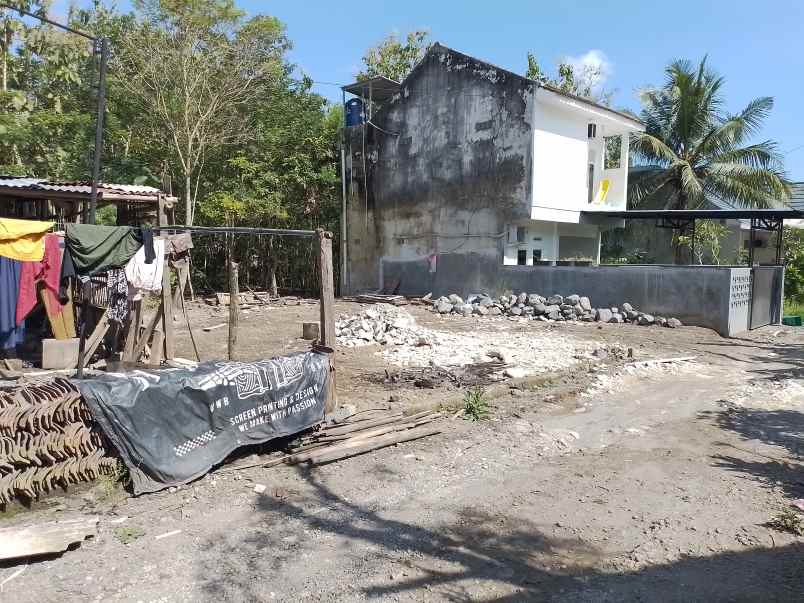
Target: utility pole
{"points": [[96, 159]]}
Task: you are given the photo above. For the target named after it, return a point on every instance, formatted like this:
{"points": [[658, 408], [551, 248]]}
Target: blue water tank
{"points": [[354, 112]]}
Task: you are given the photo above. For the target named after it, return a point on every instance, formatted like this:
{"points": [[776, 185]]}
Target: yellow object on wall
{"points": [[602, 191]]}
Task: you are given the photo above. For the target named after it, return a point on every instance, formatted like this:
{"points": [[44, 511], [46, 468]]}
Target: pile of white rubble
{"points": [[407, 344], [380, 323]]}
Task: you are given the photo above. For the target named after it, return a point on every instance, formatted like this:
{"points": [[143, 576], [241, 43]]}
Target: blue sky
{"points": [[757, 46]]}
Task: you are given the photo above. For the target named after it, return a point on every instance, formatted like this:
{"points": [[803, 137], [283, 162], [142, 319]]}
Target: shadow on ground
{"points": [[342, 550], [781, 428]]}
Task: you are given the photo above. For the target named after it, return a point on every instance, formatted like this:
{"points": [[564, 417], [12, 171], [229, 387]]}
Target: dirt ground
{"points": [[597, 482]]}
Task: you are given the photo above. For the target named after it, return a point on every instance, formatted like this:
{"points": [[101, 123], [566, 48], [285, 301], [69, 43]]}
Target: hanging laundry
{"points": [[144, 276], [117, 288], [47, 271], [11, 335], [92, 249], [23, 240]]}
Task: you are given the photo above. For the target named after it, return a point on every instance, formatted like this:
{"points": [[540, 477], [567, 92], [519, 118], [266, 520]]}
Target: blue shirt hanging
{"points": [[11, 335]]}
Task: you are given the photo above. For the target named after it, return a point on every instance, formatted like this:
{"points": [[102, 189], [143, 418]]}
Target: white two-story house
{"points": [[464, 169]]}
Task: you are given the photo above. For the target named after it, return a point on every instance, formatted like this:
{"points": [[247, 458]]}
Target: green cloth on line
{"points": [[95, 249]]}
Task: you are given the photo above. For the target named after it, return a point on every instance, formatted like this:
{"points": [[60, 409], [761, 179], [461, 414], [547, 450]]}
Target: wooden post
{"points": [[167, 310], [234, 308], [325, 272], [82, 341]]}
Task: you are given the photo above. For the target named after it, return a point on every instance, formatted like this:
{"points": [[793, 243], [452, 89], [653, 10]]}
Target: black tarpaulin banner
{"points": [[171, 426]]}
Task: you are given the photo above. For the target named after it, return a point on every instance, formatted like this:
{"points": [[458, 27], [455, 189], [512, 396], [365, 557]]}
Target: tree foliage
{"points": [[706, 241], [793, 239], [194, 88], [586, 82], [394, 58], [693, 152]]}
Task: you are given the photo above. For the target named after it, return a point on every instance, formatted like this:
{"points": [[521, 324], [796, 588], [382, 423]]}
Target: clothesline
{"points": [[124, 257]]}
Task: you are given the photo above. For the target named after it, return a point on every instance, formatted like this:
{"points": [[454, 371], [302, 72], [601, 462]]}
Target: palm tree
{"points": [[692, 151]]}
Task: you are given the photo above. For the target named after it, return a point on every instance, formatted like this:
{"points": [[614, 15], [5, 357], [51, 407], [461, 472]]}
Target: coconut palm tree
{"points": [[692, 151]]}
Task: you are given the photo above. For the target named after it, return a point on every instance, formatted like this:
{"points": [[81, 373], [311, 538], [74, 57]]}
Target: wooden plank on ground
{"points": [[46, 538]]}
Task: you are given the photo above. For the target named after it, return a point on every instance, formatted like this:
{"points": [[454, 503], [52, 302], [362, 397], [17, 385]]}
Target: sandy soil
{"points": [[593, 483]]}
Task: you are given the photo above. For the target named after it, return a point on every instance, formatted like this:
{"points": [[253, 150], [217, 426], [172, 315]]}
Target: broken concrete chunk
{"points": [[555, 300], [585, 304], [674, 323]]}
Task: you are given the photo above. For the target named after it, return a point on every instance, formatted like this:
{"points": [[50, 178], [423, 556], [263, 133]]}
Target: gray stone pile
{"points": [[380, 323], [552, 308]]}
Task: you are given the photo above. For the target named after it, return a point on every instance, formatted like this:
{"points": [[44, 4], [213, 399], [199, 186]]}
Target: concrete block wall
{"points": [[706, 296]]}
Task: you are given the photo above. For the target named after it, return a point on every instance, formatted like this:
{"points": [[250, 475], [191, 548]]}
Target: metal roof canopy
{"points": [[684, 220], [699, 214], [22, 188], [378, 89]]}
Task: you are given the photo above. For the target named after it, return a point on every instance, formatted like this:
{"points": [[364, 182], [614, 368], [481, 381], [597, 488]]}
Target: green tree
{"points": [[394, 58], [794, 264], [693, 152], [195, 69], [586, 82], [706, 241]]}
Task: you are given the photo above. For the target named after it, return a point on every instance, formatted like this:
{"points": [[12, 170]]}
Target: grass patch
{"points": [[788, 520], [793, 308], [112, 483], [475, 405], [128, 534]]}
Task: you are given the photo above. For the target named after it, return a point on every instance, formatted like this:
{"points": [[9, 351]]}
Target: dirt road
{"points": [[594, 483]]}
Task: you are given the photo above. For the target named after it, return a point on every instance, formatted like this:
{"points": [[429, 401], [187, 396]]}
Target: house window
{"points": [[613, 146], [522, 257], [590, 183], [591, 131], [520, 234], [537, 255]]}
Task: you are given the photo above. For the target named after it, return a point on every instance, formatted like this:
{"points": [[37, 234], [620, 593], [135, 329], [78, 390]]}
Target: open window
{"points": [[613, 146], [522, 257]]}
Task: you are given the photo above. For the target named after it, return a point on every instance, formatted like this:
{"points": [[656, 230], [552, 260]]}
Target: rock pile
{"points": [[380, 323], [555, 308]]}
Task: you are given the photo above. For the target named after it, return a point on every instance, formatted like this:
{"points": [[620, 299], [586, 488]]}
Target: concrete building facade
{"points": [[466, 164]]}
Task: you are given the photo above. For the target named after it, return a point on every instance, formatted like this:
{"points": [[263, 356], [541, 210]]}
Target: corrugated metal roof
{"points": [[797, 196], [39, 184]]}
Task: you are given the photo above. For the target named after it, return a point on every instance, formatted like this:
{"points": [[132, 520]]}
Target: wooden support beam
{"points": [[183, 274], [234, 308], [167, 312], [133, 331], [94, 340], [325, 271], [142, 341], [157, 348]]}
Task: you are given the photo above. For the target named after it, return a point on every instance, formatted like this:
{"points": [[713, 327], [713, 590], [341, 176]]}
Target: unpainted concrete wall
{"points": [[449, 169]]}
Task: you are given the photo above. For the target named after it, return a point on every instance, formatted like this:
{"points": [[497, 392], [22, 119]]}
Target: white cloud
{"points": [[592, 62]]}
